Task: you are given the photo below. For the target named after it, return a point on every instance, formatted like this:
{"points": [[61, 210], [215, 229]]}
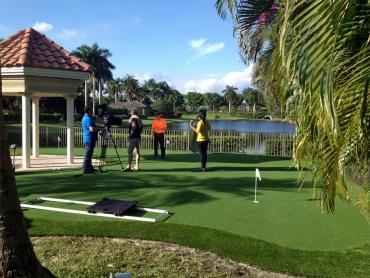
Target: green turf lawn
{"points": [[285, 232]]}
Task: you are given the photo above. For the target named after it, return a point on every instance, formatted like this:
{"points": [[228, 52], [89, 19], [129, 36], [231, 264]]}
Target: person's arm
{"points": [[192, 127], [165, 125], [93, 127]]}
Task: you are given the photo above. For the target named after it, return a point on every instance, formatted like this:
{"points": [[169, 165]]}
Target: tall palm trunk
{"points": [[115, 97], [93, 95], [17, 258], [229, 107], [100, 93]]}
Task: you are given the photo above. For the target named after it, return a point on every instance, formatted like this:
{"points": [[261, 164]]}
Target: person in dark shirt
{"points": [[90, 135], [133, 142]]}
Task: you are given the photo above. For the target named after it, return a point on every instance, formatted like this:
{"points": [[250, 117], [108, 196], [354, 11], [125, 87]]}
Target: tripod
{"points": [[106, 136]]}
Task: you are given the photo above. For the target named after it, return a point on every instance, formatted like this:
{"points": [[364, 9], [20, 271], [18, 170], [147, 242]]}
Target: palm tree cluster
{"points": [[320, 52], [249, 97], [102, 68]]}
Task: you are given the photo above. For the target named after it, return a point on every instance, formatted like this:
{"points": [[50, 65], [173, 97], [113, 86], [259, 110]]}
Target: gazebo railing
{"points": [[258, 143]]}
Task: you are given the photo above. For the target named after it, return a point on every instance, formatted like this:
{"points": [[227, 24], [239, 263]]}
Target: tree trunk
{"points": [[115, 97], [100, 93], [17, 258], [229, 107], [93, 95]]}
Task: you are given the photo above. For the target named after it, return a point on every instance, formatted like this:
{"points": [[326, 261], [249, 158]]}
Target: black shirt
{"points": [[135, 128]]}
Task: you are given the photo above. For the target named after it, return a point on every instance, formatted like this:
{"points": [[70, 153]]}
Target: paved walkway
{"points": [[49, 162]]}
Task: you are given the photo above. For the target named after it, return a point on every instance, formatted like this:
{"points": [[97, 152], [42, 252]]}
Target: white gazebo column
{"points": [[26, 140], [35, 127], [70, 129]]}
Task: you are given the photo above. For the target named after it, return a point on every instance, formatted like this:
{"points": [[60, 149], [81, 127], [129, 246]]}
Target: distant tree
{"points": [[230, 95], [212, 100], [163, 106], [152, 89], [114, 87], [102, 68], [194, 100], [130, 87], [176, 98], [252, 96]]}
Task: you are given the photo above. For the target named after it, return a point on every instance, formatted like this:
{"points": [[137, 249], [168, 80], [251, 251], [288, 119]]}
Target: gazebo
{"points": [[33, 66]]}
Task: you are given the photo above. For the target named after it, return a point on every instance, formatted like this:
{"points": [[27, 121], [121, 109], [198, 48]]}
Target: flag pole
{"points": [[255, 187]]}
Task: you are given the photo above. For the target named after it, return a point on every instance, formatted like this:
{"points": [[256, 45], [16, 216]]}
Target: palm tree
{"points": [[255, 23], [130, 86], [230, 95], [151, 86], [174, 97], [114, 87], [210, 100], [325, 59], [97, 58], [17, 257]]}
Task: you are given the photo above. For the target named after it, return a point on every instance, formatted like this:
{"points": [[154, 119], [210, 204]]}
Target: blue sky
{"points": [[182, 42]]}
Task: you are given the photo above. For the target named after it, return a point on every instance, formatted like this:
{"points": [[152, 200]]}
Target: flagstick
{"points": [[255, 191]]}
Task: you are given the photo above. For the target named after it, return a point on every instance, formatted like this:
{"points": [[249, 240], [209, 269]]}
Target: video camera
{"points": [[108, 119]]}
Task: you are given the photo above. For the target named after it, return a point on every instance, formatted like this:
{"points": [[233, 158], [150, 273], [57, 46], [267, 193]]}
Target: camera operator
{"points": [[90, 135]]}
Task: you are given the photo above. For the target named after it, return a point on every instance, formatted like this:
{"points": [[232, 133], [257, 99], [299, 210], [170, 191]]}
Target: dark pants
{"points": [[89, 150], [159, 139], [203, 148]]}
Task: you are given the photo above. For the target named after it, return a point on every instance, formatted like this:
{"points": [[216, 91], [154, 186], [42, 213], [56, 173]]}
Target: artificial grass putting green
{"points": [[217, 204]]}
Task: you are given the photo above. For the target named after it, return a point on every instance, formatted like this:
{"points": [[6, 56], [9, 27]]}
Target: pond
{"points": [[243, 126]]}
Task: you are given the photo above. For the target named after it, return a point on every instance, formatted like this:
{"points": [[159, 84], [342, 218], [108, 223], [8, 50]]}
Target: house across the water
{"points": [[141, 108]]}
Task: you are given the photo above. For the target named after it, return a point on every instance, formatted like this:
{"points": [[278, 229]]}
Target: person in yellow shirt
{"points": [[202, 130], [159, 127]]}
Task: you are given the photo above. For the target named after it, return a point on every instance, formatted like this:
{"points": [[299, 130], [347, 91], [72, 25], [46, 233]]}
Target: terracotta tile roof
{"points": [[30, 48]]}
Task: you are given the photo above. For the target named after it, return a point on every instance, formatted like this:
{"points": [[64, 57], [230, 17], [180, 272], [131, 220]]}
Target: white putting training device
{"points": [[161, 213], [258, 176]]}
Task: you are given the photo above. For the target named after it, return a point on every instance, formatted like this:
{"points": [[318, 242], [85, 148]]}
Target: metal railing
{"points": [[272, 144]]}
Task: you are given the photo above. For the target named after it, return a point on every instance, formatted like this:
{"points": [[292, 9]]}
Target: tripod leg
{"points": [[115, 148]]}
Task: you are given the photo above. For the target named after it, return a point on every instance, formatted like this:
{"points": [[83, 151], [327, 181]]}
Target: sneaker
{"points": [[126, 169], [135, 168]]}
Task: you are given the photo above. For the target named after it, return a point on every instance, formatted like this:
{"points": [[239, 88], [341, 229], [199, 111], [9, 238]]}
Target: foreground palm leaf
{"points": [[324, 55]]}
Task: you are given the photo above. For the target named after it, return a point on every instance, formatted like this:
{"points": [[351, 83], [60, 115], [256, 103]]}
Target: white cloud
{"points": [[42, 26], [197, 43], [239, 79], [155, 75], [135, 19], [200, 47], [66, 34]]}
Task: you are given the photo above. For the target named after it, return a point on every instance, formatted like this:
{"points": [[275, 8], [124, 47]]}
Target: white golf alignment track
{"points": [[160, 212]]}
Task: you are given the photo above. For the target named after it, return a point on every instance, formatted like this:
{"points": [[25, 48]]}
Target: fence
{"points": [[272, 144]]}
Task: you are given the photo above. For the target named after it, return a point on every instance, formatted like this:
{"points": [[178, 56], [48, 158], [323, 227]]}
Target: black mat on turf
{"points": [[116, 207]]}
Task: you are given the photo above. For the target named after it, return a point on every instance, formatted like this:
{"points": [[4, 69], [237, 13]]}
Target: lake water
{"points": [[244, 126]]}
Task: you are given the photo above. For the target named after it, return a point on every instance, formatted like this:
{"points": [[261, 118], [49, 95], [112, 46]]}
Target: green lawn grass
{"points": [[285, 232]]}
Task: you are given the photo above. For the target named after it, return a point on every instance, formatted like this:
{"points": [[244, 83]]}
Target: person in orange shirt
{"points": [[159, 127]]}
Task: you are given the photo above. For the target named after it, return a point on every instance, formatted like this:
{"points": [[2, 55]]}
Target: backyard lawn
{"points": [[213, 211]]}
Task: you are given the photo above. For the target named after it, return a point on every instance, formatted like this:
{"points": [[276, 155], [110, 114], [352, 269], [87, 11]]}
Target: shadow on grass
{"points": [[159, 189]]}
